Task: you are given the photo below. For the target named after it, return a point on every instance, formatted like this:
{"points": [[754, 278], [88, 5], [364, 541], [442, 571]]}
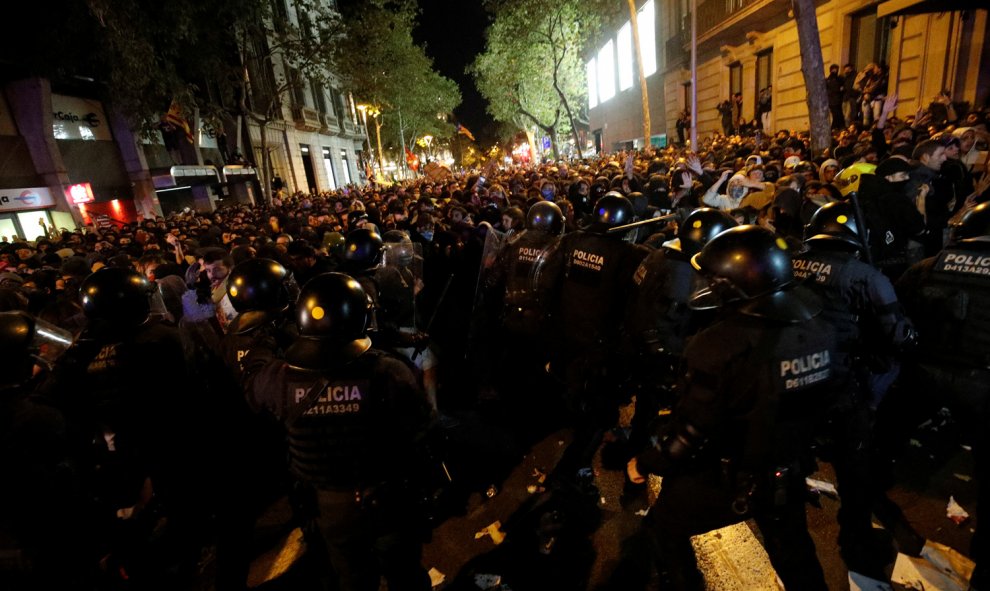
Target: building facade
{"points": [[69, 160], [749, 46]]}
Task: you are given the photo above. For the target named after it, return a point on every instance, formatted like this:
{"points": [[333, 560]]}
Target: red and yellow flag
{"points": [[175, 118], [464, 131]]}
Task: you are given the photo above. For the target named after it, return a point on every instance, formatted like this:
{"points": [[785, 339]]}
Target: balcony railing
{"points": [[306, 119], [676, 51]]}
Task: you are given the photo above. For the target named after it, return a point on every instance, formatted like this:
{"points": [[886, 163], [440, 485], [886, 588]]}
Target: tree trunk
{"points": [[553, 142], [644, 92], [813, 68]]}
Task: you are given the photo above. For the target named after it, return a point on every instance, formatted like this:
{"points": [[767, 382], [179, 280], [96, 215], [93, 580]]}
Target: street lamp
{"points": [[374, 112]]}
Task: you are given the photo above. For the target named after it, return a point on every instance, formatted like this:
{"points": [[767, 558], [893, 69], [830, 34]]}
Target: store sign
{"points": [[79, 193], [24, 199], [76, 118]]}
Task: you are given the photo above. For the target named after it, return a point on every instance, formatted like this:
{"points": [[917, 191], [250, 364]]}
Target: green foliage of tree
{"points": [[532, 71], [380, 64]]}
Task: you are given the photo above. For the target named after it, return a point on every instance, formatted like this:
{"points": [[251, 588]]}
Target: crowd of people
{"points": [[771, 296]]}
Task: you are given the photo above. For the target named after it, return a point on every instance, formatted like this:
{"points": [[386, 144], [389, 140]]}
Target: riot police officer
{"points": [[41, 514], [871, 329], [257, 290], [515, 273], [948, 296], [127, 389], [659, 319], [354, 415], [587, 282], [754, 387], [519, 322]]}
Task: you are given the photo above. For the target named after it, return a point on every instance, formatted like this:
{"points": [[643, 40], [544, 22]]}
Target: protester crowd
{"points": [[894, 190]]}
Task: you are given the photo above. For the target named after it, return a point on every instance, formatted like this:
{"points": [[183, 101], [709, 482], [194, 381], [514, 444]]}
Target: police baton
{"points": [[861, 226], [657, 220], [436, 309]]}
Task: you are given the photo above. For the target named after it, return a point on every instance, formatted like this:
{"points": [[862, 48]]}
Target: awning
{"points": [[235, 173], [186, 176], [902, 7]]}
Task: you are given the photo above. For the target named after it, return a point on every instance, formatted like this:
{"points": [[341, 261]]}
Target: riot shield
{"points": [[484, 309], [400, 279]]}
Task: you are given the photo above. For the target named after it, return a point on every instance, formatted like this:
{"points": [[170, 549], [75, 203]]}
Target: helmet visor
{"points": [[49, 343]]}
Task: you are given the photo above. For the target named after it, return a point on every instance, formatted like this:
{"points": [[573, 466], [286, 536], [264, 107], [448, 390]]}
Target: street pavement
{"points": [[500, 535]]}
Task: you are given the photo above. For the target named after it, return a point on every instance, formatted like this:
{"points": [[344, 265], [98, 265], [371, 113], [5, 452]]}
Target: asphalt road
{"points": [[499, 536]]}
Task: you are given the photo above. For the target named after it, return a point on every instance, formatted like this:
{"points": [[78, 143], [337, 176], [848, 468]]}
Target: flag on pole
{"points": [[464, 131], [412, 160], [174, 118]]}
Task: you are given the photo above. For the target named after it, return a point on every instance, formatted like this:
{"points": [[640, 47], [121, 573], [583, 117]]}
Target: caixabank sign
{"points": [[75, 118]]}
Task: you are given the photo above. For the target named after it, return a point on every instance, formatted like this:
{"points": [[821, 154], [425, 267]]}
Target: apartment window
{"points": [[592, 74], [280, 16], [623, 43], [606, 72], [764, 70], [298, 88], [646, 22], [319, 96], [345, 166], [870, 39], [328, 166], [735, 78]]}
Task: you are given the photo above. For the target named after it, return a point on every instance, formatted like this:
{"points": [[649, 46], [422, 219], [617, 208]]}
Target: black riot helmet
{"points": [[545, 216], [612, 210], [700, 227], [332, 314], [362, 250], [258, 285], [751, 266], [117, 297], [257, 290], [974, 227], [834, 224], [26, 341]]}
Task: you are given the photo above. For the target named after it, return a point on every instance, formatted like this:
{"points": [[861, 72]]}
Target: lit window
{"points": [[592, 84], [623, 43], [606, 72], [646, 23]]}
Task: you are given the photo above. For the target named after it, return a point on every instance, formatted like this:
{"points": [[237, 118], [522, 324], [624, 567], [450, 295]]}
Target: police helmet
{"points": [[700, 227], [974, 227], [399, 249], [835, 224], [362, 250], [332, 315], [612, 210], [751, 266], [25, 341], [258, 284], [545, 216], [334, 243], [119, 297], [849, 177]]}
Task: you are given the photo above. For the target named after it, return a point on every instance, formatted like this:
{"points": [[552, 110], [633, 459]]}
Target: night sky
{"points": [[453, 32]]}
